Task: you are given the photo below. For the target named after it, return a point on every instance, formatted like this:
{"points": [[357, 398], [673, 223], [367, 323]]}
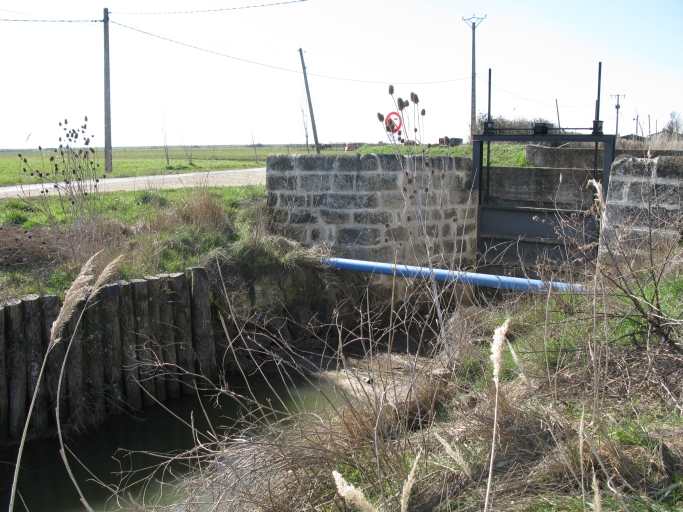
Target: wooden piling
{"points": [[18, 381], [168, 339], [182, 323], [93, 361], [4, 392], [35, 353], [111, 346], [142, 336], [155, 342], [55, 357], [131, 370], [202, 330], [74, 367]]}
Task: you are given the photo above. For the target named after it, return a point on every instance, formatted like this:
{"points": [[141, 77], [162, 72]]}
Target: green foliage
{"points": [[502, 155]]}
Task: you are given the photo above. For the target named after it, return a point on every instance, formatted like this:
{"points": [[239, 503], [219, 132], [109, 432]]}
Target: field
{"points": [[147, 161]]}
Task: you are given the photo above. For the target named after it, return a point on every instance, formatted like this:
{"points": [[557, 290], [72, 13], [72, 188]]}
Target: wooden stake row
{"points": [[135, 343]]}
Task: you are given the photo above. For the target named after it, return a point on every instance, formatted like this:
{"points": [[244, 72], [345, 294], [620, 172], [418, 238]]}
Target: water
{"points": [[45, 485]]}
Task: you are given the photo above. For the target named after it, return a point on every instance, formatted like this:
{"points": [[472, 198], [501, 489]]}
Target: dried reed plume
{"points": [[391, 89], [497, 359], [408, 485], [351, 494]]}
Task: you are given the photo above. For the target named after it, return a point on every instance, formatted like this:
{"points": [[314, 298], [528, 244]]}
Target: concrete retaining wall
{"points": [[538, 187], [643, 195], [581, 158], [369, 207]]}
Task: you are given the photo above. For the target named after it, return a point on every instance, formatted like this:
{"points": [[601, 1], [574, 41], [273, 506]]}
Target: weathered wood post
{"points": [[167, 337], [181, 305], [74, 366], [4, 396], [18, 383], [33, 332], [202, 330], [111, 346], [142, 336], [55, 357], [93, 352], [131, 370], [155, 342]]}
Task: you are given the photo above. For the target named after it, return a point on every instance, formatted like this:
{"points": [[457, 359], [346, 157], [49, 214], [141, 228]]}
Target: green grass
{"points": [[170, 246], [127, 207], [502, 155], [148, 161]]}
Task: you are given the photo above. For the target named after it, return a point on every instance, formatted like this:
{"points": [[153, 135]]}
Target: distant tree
{"points": [[519, 123], [674, 126]]}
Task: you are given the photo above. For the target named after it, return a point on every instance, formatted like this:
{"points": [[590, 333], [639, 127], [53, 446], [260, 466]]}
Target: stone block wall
{"points": [[580, 158], [369, 207], [645, 194]]}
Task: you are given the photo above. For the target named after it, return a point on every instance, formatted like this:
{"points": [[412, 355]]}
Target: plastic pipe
{"points": [[518, 284]]}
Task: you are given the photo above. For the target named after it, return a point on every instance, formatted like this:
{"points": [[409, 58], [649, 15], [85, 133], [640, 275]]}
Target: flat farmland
{"points": [[150, 161]]}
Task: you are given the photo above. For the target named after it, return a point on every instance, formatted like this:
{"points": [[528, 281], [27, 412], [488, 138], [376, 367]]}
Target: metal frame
{"points": [[526, 238], [609, 142]]}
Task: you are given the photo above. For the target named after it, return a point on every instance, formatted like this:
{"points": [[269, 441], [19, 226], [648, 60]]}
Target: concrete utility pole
{"points": [[617, 106], [473, 22], [108, 168], [310, 105]]}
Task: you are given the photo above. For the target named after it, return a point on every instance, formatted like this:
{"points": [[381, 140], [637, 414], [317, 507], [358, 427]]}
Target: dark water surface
{"points": [[45, 485]]}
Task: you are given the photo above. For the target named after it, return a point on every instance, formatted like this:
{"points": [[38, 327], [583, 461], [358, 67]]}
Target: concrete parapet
{"points": [[581, 158]]}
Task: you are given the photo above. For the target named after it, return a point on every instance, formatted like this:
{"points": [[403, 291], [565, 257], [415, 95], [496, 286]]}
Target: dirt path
{"points": [[193, 179]]}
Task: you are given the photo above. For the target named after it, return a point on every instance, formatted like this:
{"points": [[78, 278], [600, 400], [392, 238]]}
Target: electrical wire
{"points": [[384, 82], [532, 101], [215, 10], [53, 21]]}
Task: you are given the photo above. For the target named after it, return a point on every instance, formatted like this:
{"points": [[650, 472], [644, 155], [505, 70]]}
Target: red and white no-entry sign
{"points": [[393, 122]]}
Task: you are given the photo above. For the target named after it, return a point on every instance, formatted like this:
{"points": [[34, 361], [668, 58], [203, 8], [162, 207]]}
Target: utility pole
{"points": [[310, 105], [636, 119], [108, 168], [557, 107], [617, 106], [473, 22]]}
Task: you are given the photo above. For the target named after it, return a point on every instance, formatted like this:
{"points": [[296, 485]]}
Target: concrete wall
{"points": [[645, 194], [368, 207], [538, 187], [580, 158]]}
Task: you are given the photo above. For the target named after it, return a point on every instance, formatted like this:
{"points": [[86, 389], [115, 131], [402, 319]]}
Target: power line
{"points": [[53, 21], [214, 10], [384, 82], [532, 101]]}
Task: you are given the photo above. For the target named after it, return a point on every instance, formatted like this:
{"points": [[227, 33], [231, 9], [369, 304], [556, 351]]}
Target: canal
{"points": [[128, 443]]}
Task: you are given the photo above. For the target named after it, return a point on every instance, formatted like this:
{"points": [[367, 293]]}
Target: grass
{"points": [[164, 230], [147, 161], [503, 155]]}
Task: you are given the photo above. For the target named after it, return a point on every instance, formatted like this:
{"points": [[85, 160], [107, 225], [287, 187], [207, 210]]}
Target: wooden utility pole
{"points": [[108, 168], [617, 107], [310, 105], [473, 22]]}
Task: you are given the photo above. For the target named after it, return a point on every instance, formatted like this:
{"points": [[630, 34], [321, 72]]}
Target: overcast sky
{"points": [[539, 51]]}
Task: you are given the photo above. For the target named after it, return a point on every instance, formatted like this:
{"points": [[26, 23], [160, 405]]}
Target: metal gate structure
{"points": [[515, 233]]}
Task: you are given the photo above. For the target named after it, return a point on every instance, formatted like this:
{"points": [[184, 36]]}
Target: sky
{"points": [[245, 84]]}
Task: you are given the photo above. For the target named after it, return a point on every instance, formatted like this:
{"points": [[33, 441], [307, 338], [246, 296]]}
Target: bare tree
{"points": [[304, 120], [253, 145], [188, 150], [163, 134], [674, 127]]}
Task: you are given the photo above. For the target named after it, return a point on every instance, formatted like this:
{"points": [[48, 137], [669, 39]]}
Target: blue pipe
{"points": [[518, 284]]}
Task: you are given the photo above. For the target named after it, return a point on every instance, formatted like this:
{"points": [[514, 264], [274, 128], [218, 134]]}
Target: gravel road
{"points": [[193, 179]]}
